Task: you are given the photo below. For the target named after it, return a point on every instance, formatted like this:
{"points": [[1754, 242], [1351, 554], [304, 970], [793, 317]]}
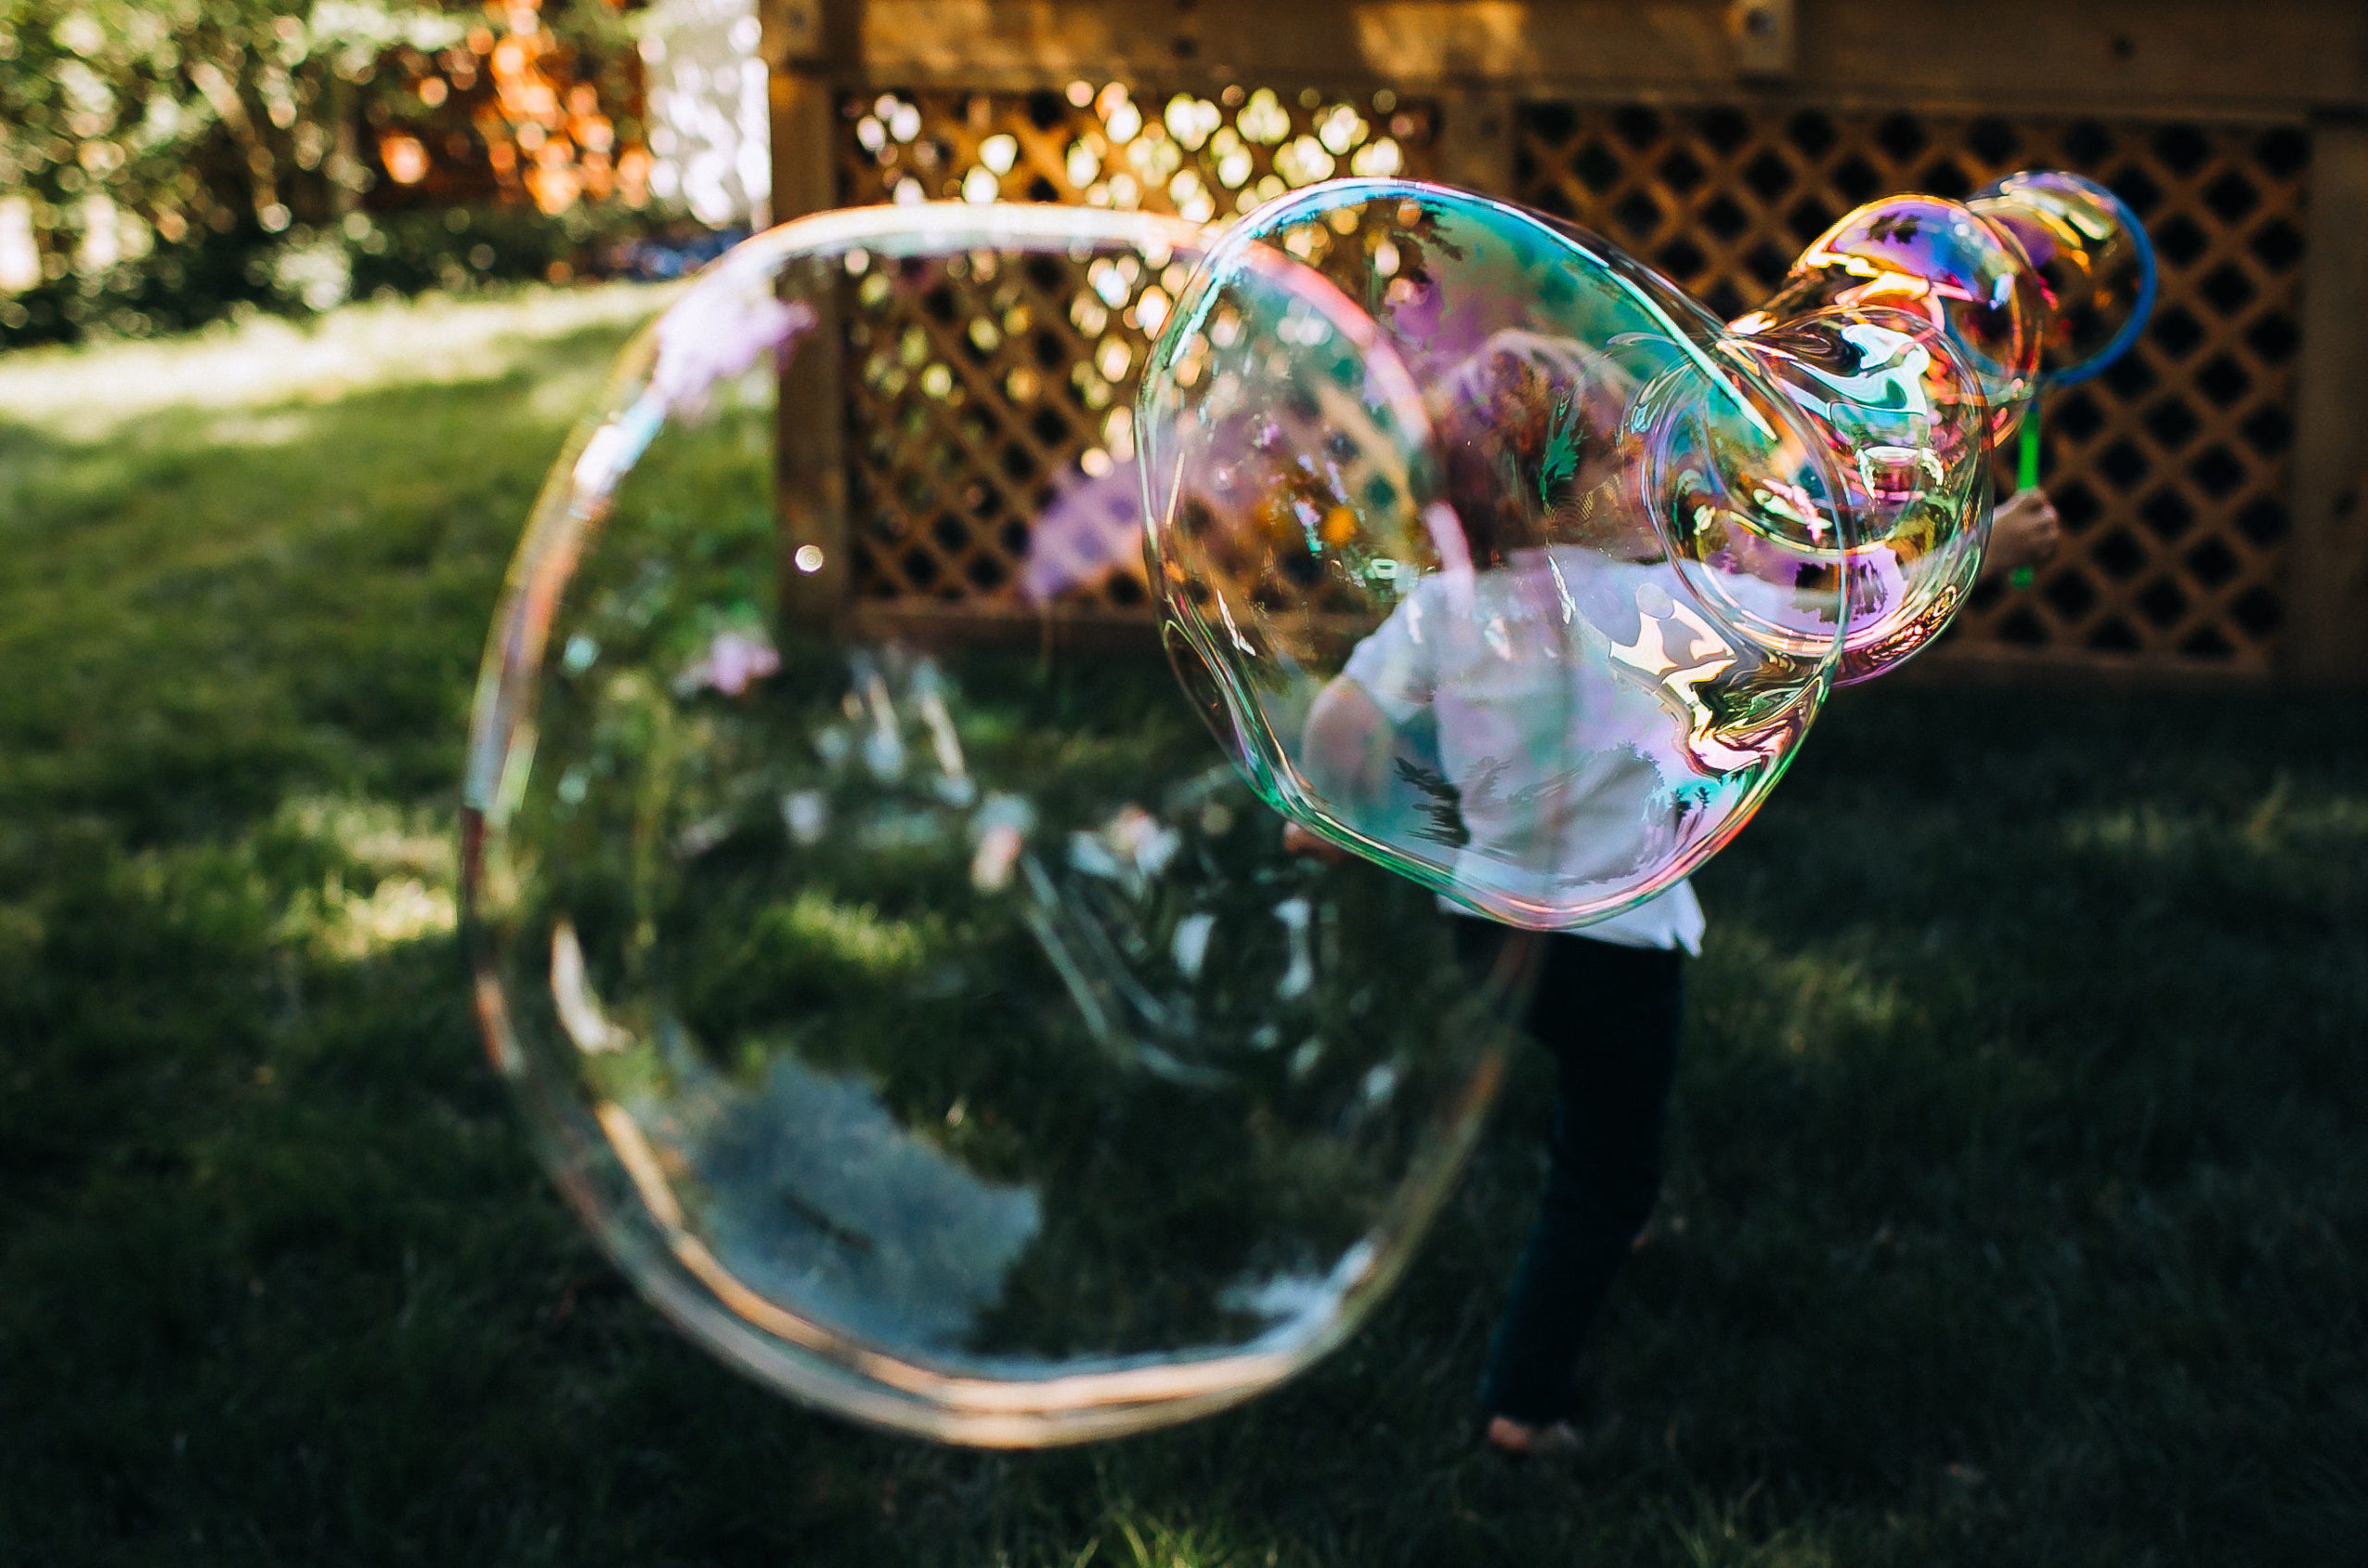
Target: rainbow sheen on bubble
{"points": [[1906, 435], [2042, 278], [1495, 639], [1533, 602], [1936, 259], [2094, 263], [927, 1017]]}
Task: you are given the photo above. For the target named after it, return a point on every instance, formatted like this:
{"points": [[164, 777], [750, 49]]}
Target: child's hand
{"points": [[2025, 531], [1297, 840]]}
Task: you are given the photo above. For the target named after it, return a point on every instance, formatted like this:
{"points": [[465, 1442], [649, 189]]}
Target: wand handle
{"points": [[2027, 477]]}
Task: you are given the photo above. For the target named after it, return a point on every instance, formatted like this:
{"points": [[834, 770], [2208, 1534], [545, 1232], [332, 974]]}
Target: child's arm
{"points": [[1344, 752]]}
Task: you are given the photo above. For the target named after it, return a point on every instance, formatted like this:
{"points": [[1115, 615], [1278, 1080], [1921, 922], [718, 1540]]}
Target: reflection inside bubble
{"points": [[932, 1022]]}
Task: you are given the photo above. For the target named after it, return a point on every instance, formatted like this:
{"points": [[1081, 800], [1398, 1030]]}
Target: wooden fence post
{"points": [[2327, 631], [803, 41]]}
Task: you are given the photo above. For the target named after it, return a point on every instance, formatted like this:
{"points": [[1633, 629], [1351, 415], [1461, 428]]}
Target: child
{"points": [[1608, 999], [1606, 1002]]}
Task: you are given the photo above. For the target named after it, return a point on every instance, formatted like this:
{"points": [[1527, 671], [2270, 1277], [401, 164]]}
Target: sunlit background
{"points": [[161, 165]]}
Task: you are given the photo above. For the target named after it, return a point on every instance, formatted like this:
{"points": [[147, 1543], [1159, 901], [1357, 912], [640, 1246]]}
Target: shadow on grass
{"points": [[2015, 1216]]}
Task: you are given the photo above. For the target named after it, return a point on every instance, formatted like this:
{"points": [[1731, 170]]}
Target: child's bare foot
{"points": [[1521, 1440]]}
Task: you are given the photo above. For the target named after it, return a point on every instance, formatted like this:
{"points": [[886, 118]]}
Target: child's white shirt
{"points": [[1593, 800]]}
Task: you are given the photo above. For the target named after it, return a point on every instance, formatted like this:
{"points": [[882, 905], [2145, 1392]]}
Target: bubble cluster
{"points": [[1533, 602], [2043, 279], [919, 1002], [1434, 585], [935, 1029], [2094, 263]]}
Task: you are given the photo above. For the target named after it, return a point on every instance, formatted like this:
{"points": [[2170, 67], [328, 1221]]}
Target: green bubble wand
{"points": [[2027, 477]]}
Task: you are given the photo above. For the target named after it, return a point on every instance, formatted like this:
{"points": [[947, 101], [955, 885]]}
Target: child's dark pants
{"points": [[1609, 1017]]}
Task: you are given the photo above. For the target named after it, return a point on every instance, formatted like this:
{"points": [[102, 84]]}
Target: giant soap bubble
{"points": [[932, 1024], [915, 1000], [1546, 641]]}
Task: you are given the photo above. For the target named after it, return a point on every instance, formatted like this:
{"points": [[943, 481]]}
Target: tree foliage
{"points": [[163, 159]]}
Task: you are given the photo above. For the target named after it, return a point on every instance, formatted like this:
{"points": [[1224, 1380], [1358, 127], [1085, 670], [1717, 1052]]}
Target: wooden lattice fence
{"points": [[2212, 483], [944, 484]]}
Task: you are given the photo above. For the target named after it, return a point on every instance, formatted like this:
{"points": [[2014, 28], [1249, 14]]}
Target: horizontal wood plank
{"points": [[2183, 57]]}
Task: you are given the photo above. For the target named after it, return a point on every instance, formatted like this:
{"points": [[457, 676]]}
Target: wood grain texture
{"points": [[2329, 580], [810, 483], [2186, 57]]}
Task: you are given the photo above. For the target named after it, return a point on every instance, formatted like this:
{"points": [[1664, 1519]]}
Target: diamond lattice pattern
{"points": [[975, 402], [2170, 469]]}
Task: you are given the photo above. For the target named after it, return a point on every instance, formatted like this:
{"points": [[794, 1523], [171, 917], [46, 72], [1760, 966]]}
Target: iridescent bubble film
{"points": [[925, 1012], [1937, 259], [1532, 600], [1546, 641], [1906, 432], [2042, 278], [2094, 262]]}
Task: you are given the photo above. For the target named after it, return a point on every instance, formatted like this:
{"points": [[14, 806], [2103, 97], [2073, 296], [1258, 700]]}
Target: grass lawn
{"points": [[2019, 1214]]}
